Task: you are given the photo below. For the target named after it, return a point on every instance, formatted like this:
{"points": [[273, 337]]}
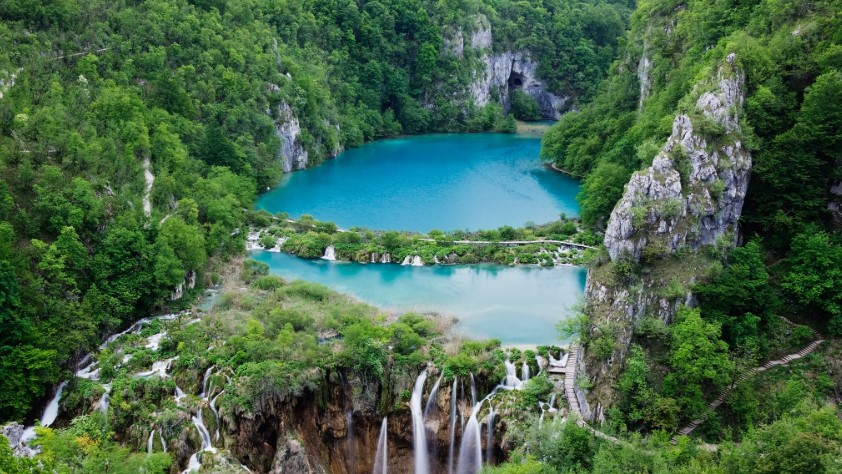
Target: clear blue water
{"points": [[447, 182], [518, 305]]}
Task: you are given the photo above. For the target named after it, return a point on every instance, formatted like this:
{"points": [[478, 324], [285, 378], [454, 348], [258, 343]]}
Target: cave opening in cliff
{"points": [[515, 80]]}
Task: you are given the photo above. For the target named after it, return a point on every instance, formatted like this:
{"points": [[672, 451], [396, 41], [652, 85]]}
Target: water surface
{"points": [[447, 182], [518, 305]]}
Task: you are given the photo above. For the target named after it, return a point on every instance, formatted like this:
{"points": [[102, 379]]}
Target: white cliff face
{"points": [[7, 81], [292, 152], [662, 207], [691, 196], [509, 70]]}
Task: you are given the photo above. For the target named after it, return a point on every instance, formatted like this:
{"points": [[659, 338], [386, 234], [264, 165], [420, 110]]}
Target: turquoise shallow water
{"points": [[518, 305], [448, 182]]}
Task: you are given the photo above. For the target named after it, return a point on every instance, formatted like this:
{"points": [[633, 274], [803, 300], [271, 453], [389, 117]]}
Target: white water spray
{"points": [[330, 253], [381, 458], [452, 426], [418, 430]]}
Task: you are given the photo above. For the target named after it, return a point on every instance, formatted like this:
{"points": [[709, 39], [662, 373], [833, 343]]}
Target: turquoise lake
{"points": [[447, 182], [518, 305]]}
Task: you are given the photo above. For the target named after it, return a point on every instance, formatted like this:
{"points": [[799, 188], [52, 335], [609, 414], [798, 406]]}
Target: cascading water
{"points": [[150, 442], [470, 449], [386, 258], [489, 440], [216, 412], [473, 390], [349, 440], [206, 381], [511, 381], [432, 426], [163, 443], [540, 362], [524, 372], [417, 262], [432, 401], [330, 253], [452, 426], [407, 260], [418, 430], [195, 462], [381, 457]]}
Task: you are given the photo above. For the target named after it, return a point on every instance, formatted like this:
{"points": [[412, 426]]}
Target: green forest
{"points": [[96, 97]]}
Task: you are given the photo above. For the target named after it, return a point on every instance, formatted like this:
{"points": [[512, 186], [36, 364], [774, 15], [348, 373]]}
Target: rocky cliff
{"points": [[335, 429], [292, 153], [500, 73], [691, 197]]}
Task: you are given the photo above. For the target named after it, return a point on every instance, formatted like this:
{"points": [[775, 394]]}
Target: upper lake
{"points": [[447, 182]]}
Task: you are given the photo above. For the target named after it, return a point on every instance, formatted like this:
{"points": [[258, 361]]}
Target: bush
{"points": [[524, 106]]}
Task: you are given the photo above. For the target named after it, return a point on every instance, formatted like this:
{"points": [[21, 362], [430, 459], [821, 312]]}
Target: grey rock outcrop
{"points": [[291, 458], [506, 71], [293, 155], [690, 197], [695, 189]]}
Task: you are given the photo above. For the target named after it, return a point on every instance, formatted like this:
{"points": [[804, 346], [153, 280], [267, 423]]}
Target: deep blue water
{"points": [[518, 305], [447, 182]]}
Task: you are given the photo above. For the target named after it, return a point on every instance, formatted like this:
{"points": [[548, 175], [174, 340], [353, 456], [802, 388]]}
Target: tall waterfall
{"points": [[150, 442], [434, 396], [330, 253], [470, 449], [349, 440], [418, 430], [452, 426], [524, 372], [382, 457], [216, 412]]}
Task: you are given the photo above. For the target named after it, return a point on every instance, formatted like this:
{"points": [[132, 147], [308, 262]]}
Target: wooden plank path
{"points": [[513, 242], [687, 430], [569, 374]]}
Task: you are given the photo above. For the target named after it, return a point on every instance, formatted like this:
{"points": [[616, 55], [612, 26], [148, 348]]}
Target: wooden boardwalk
{"points": [[569, 374], [688, 429]]}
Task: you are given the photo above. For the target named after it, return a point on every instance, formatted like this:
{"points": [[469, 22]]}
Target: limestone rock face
{"points": [[292, 153], [690, 197], [507, 71], [695, 189], [291, 458]]}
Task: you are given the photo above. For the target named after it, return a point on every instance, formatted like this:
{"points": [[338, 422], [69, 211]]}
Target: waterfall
{"points": [[51, 412], [105, 400], [216, 412], [382, 456], [150, 442], [407, 260], [205, 382], [179, 395], [159, 368], [489, 440], [434, 395], [418, 430], [564, 358], [470, 449], [511, 381], [524, 372], [386, 258], [473, 391], [195, 462], [330, 253], [540, 362], [373, 257], [416, 261], [154, 341], [349, 440], [452, 426], [436, 259], [163, 443]]}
